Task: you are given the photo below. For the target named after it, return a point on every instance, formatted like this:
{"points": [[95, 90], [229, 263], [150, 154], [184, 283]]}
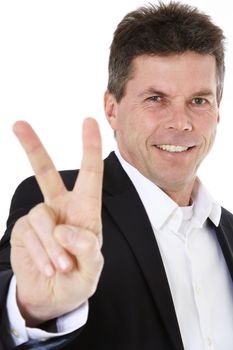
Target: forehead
{"points": [[184, 72]]}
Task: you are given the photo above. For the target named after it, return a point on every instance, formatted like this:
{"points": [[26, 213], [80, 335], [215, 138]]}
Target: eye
{"points": [[199, 101], [155, 98]]}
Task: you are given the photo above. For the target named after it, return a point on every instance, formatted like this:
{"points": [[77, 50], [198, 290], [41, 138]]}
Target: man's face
{"points": [[166, 122]]}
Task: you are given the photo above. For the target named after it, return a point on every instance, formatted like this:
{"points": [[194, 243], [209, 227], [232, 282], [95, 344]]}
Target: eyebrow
{"points": [[154, 91], [205, 92]]}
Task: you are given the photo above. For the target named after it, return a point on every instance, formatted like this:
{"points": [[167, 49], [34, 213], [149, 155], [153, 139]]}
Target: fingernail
{"points": [[49, 271], [63, 262]]}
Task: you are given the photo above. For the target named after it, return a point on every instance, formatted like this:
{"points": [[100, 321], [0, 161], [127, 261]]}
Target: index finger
{"points": [[90, 178], [47, 176]]}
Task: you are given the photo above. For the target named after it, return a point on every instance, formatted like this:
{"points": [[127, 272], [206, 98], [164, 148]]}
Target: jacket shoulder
{"points": [[29, 193]]}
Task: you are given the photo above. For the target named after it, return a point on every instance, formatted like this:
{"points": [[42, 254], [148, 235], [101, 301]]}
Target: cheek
{"points": [[213, 129], [136, 124], [209, 136], [212, 138]]}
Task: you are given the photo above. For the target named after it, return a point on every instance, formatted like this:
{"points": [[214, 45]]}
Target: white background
{"points": [[53, 73]]}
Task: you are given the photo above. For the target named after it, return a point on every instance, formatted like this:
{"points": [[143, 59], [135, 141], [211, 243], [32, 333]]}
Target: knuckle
{"points": [[19, 223], [37, 209], [19, 229], [90, 243], [40, 210], [27, 234], [100, 262], [97, 261], [92, 274]]}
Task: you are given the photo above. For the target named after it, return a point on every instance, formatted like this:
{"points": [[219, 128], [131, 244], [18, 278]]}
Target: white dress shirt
{"points": [[197, 274]]}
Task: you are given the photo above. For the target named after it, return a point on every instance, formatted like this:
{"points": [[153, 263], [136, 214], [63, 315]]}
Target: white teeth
{"points": [[172, 148]]}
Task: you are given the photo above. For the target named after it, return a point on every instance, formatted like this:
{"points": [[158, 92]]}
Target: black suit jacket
{"points": [[132, 308]]}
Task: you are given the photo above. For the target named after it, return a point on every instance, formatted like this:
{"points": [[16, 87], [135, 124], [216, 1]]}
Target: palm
{"points": [[78, 209]]}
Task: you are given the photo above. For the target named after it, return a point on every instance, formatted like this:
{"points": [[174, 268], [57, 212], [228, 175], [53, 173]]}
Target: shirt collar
{"points": [[158, 202], [204, 205]]}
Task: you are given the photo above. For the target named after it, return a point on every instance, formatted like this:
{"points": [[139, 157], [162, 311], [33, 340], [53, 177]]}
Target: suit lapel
{"points": [[124, 205], [224, 234]]}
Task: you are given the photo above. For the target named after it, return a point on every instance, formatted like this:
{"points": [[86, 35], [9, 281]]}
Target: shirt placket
{"points": [[199, 292]]}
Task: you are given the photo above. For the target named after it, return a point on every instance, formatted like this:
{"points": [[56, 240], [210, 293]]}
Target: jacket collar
{"points": [[224, 234], [124, 205]]}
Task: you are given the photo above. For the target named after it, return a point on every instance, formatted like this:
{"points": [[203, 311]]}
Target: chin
{"points": [[174, 184]]}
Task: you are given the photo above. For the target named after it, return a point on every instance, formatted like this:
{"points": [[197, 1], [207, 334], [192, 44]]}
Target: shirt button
{"points": [[198, 291], [15, 333], [209, 342], [175, 216]]}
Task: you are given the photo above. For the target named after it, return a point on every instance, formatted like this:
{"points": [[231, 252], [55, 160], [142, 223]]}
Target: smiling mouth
{"points": [[173, 148]]}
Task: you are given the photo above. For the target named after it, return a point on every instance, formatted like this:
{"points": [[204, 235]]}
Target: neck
{"points": [[183, 196]]}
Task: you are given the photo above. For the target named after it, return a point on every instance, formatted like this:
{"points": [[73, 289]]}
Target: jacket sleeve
{"points": [[26, 196]]}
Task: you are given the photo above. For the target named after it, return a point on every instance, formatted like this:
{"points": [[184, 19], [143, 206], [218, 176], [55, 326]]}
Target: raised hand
{"points": [[55, 254]]}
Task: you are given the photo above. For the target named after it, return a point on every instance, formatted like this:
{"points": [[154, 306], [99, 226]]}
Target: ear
{"points": [[110, 107]]}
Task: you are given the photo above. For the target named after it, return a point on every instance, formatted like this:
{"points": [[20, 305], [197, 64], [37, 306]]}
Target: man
{"points": [[163, 277]]}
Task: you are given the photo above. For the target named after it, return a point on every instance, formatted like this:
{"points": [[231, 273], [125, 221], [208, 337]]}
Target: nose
{"points": [[179, 117]]}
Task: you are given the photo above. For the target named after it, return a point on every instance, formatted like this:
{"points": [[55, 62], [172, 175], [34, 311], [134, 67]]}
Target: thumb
{"points": [[65, 234]]}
